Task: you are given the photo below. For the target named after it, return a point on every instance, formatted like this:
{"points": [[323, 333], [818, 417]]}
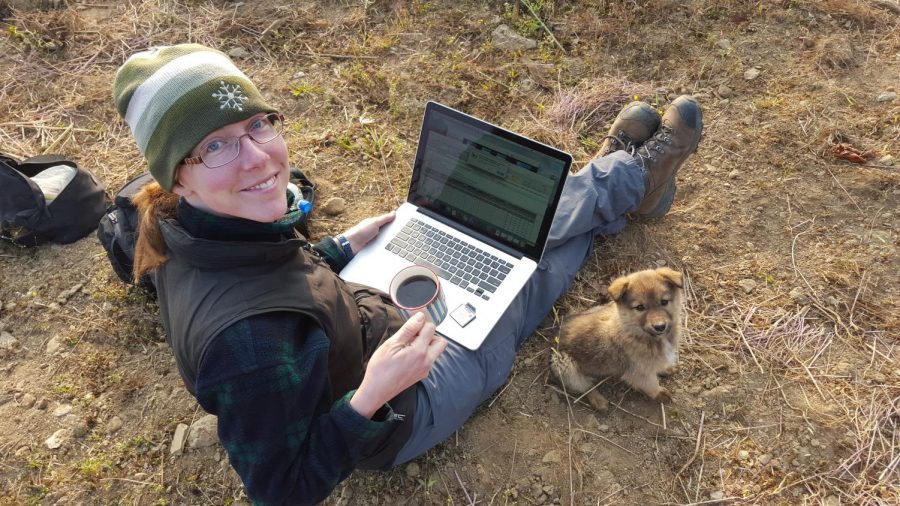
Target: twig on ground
{"points": [[466, 492], [610, 441], [639, 417], [527, 4], [696, 446]]}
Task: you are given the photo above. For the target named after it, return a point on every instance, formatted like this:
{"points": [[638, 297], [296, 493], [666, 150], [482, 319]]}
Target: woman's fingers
{"points": [[384, 219], [425, 335], [435, 348], [408, 332]]}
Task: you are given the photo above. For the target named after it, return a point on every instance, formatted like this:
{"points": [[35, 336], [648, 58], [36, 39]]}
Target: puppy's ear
{"points": [[618, 288], [671, 276]]}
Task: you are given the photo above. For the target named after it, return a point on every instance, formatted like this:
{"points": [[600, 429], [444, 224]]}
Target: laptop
{"points": [[480, 204]]}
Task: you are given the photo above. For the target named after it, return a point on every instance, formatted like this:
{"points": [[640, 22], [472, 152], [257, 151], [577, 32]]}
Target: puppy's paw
{"points": [[598, 402], [663, 396], [669, 371]]}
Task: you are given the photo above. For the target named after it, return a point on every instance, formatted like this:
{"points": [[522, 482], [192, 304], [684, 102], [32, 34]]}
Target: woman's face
{"points": [[252, 186]]}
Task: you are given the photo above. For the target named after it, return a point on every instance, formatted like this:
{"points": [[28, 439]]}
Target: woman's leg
{"points": [[594, 201]]}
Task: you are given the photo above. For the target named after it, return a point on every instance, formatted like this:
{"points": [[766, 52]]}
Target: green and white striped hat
{"points": [[174, 96]]}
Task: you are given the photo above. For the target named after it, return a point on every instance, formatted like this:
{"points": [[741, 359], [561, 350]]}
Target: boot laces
{"points": [[648, 151], [622, 140]]}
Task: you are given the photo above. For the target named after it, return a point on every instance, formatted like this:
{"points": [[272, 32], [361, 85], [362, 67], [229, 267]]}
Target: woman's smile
{"points": [[265, 185]]}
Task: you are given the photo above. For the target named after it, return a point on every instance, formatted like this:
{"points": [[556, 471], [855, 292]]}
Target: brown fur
{"points": [[152, 203], [618, 340]]}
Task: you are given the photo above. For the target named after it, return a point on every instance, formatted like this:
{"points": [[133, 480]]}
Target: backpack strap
{"points": [[22, 204]]}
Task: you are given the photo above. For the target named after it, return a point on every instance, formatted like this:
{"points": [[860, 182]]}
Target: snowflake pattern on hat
{"points": [[230, 96]]}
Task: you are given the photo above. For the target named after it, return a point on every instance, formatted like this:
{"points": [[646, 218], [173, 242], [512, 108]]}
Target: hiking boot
{"points": [[634, 125], [665, 152]]}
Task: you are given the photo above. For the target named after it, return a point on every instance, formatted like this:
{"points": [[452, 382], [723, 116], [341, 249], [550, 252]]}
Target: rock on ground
{"points": [[203, 432], [506, 39]]}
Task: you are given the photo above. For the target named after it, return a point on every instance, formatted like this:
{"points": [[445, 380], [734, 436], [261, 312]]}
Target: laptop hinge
{"points": [[468, 231]]}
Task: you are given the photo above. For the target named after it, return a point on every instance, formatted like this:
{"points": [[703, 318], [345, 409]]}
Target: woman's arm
{"points": [[284, 436], [357, 237]]}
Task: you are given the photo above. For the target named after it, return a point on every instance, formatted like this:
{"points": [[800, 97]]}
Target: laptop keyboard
{"points": [[462, 264]]}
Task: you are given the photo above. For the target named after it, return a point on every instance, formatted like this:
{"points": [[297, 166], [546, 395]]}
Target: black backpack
{"points": [[28, 219], [118, 229]]}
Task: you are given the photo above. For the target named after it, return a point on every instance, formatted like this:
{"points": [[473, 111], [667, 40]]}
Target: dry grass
{"points": [[352, 76]]}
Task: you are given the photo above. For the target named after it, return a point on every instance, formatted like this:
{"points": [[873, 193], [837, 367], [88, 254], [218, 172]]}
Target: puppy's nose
{"points": [[660, 327]]}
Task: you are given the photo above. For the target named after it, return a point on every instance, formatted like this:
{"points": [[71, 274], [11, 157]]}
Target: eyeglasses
{"points": [[219, 151]]}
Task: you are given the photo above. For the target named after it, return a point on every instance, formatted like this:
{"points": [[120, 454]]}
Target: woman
{"points": [[311, 377]]}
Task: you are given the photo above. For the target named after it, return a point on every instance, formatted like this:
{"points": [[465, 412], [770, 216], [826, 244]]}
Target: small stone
{"points": [[795, 463], [553, 456], [239, 53], [765, 458], [833, 302], [716, 392], [724, 44], [743, 455], [62, 410], [41, 404], [799, 296], [58, 438], [604, 428], [178, 439], [53, 345], [734, 174], [334, 206], [413, 470], [7, 341], [725, 92], [114, 424], [886, 160], [506, 39], [27, 401], [748, 285], [80, 426], [815, 442], [886, 96], [717, 495], [203, 432], [751, 74]]}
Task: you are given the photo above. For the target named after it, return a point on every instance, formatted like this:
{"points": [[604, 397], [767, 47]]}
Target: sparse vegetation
{"points": [[788, 390]]}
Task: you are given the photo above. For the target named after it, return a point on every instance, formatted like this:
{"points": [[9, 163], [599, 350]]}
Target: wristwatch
{"points": [[345, 245]]}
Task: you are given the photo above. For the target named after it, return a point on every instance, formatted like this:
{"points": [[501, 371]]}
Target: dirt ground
{"points": [[788, 390]]}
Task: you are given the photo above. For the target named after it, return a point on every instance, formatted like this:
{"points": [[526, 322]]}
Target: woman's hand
{"points": [[360, 234], [402, 360]]}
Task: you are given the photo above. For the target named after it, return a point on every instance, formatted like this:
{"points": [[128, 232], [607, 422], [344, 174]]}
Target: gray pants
{"points": [[594, 202]]}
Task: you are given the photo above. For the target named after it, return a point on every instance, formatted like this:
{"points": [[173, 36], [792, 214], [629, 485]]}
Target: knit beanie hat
{"points": [[174, 96]]}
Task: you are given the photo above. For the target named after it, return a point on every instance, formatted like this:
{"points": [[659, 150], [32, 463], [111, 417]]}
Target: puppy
{"points": [[634, 337]]}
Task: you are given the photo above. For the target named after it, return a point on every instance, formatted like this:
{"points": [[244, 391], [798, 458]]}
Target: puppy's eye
{"points": [[664, 302], [639, 307]]}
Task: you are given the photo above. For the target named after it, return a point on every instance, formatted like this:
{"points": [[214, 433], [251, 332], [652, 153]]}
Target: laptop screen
{"points": [[496, 182]]}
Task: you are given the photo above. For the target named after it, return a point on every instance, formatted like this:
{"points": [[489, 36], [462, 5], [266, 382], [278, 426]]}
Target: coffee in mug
{"points": [[417, 289]]}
